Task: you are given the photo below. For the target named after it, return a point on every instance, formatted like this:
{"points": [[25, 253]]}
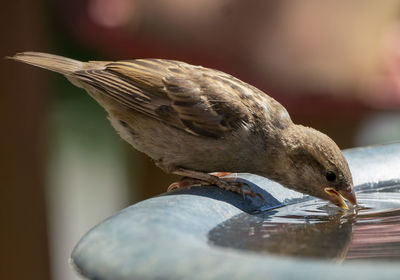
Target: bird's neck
{"points": [[278, 156]]}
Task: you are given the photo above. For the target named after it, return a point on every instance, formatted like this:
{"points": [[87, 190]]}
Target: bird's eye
{"points": [[330, 176]]}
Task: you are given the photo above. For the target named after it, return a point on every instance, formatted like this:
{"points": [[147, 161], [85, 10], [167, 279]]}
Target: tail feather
{"points": [[51, 62]]}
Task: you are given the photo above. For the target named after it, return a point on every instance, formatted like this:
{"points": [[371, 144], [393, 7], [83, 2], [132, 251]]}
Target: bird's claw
{"points": [[244, 189], [173, 186], [186, 182], [229, 184]]}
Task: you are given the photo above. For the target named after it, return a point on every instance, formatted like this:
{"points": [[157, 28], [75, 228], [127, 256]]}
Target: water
{"points": [[315, 229]]}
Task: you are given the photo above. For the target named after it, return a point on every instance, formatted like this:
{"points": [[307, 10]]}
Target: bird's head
{"points": [[317, 167]]}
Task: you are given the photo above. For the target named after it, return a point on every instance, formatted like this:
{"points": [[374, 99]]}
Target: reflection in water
{"points": [[377, 233], [315, 229]]}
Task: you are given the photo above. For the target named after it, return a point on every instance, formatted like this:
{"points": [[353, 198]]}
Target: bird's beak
{"points": [[349, 195], [336, 197]]}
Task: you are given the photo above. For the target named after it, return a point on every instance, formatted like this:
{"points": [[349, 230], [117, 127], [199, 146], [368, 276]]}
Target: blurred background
{"points": [[335, 65]]}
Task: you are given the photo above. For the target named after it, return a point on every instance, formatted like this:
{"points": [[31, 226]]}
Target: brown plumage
{"points": [[193, 120]]}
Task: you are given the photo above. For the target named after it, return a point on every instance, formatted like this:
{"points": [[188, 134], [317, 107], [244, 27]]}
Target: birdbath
{"points": [[208, 233]]}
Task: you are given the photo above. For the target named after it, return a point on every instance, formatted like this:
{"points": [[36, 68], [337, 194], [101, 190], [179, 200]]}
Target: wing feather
{"points": [[198, 100]]}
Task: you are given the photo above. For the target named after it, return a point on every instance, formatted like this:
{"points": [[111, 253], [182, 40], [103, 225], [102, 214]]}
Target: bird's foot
{"points": [[195, 178], [186, 182]]}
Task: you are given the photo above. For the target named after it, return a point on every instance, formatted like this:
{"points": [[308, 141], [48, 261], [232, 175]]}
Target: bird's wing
{"points": [[198, 100]]}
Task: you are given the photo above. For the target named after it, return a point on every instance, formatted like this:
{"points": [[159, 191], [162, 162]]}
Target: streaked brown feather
{"points": [[196, 99]]}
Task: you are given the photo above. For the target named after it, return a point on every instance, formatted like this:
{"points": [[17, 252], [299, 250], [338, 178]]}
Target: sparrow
{"points": [[193, 121]]}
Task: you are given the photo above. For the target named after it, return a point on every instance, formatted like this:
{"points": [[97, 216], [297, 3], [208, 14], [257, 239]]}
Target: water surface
{"points": [[315, 229]]}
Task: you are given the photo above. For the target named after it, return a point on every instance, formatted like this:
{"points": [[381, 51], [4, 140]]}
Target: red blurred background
{"points": [[335, 65]]}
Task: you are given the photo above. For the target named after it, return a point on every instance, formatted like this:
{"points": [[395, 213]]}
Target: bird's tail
{"points": [[51, 62]]}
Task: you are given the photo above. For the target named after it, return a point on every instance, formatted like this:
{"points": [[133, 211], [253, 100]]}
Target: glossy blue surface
{"points": [[166, 237]]}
